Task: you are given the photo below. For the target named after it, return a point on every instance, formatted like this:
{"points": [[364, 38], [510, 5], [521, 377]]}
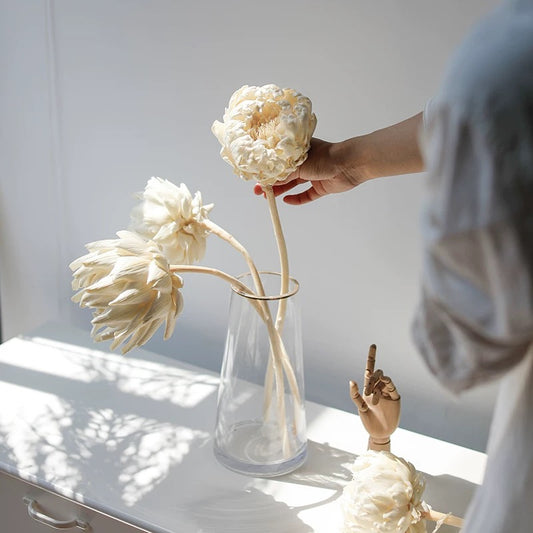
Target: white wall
{"points": [[98, 96]]}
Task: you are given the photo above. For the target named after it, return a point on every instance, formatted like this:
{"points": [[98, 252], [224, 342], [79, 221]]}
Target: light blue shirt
{"points": [[475, 320]]}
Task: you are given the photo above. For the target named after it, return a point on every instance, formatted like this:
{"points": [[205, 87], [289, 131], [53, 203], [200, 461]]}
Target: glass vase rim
{"points": [[282, 296]]}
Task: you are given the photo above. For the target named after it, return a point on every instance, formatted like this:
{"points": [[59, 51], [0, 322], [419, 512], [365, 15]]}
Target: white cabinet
{"points": [[25, 508], [124, 444]]}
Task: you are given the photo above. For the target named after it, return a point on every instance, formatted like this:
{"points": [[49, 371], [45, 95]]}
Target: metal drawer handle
{"points": [[38, 515]]}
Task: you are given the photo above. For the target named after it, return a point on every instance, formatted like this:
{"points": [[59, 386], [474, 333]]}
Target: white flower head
{"points": [[171, 217], [385, 496], [128, 283], [266, 132]]}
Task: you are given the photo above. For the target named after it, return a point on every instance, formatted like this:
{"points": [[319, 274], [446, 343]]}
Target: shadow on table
{"points": [[251, 511], [326, 467], [254, 510]]}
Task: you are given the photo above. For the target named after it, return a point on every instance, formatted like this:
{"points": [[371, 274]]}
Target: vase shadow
{"points": [[326, 467], [238, 512]]}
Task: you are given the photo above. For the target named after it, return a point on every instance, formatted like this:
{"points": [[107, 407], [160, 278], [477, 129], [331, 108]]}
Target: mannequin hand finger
{"points": [[370, 363], [357, 398], [376, 396], [389, 389], [371, 385], [374, 383]]}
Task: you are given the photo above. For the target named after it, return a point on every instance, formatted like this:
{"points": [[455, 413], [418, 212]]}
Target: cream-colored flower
{"points": [[266, 132], [128, 284], [385, 496], [171, 217]]}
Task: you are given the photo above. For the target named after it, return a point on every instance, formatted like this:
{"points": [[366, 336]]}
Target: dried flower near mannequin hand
{"points": [[385, 496]]}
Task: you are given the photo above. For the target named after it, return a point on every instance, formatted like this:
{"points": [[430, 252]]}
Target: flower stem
{"points": [[443, 518], [228, 237], [217, 273], [283, 256], [284, 267], [291, 378], [276, 344]]}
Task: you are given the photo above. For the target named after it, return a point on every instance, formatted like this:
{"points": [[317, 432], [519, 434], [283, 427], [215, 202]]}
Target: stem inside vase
{"points": [[248, 437]]}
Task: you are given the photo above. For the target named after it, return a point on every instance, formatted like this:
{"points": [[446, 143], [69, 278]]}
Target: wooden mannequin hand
{"points": [[379, 407]]}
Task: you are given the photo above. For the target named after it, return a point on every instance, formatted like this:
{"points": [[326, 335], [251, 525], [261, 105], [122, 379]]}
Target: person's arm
{"points": [[390, 151], [338, 167]]}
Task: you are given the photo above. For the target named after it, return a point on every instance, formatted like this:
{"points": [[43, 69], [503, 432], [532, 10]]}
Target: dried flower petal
{"points": [[385, 496], [130, 287], [171, 217], [266, 132]]}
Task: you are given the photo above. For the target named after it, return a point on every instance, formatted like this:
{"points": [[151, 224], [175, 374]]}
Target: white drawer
{"points": [[16, 495]]}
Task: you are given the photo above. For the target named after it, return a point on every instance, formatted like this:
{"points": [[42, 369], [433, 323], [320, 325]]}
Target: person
{"points": [[475, 318]]}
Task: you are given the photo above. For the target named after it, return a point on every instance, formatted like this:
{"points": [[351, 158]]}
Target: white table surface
{"points": [[131, 436]]}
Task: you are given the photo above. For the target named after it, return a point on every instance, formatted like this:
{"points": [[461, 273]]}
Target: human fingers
{"points": [[291, 177], [258, 190], [357, 398], [278, 188], [304, 197], [318, 165], [284, 187], [369, 371]]}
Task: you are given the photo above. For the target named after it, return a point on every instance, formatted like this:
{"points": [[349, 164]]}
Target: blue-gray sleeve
{"points": [[475, 318]]}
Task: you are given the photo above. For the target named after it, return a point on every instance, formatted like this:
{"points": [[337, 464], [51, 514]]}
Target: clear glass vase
{"points": [[260, 427]]}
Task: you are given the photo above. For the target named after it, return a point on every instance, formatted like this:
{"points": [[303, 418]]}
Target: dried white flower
{"points": [[266, 132], [171, 217], [385, 496], [128, 283]]}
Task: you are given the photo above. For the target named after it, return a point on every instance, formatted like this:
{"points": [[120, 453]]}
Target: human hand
{"points": [[379, 407], [326, 170], [338, 167]]}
